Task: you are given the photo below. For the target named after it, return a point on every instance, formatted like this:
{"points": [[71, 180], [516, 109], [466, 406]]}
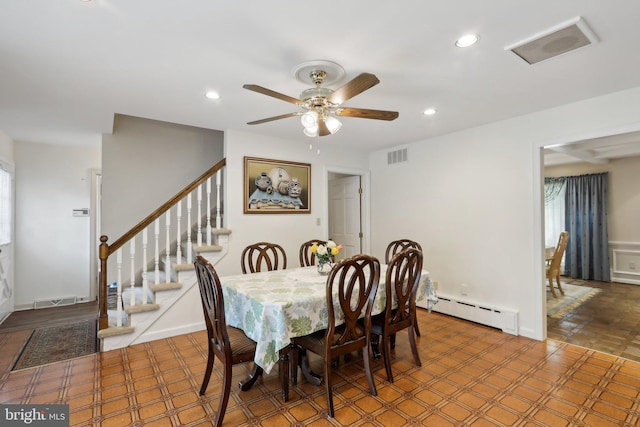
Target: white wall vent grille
{"points": [[397, 156], [55, 302]]}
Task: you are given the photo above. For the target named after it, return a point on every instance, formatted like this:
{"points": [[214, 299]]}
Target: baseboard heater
{"points": [[54, 302], [496, 317]]}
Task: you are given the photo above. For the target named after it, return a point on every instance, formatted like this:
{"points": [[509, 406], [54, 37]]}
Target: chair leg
{"points": [[207, 373], [415, 327], [327, 385], [414, 348], [553, 291], [294, 360], [558, 281], [224, 399], [386, 351], [366, 356]]}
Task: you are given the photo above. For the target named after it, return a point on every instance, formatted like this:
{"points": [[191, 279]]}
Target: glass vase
{"points": [[324, 267]]}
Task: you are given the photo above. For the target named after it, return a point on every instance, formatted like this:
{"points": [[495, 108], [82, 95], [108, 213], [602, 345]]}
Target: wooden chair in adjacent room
{"points": [[356, 277], [263, 256], [554, 262], [397, 246], [402, 278], [230, 345], [308, 258]]}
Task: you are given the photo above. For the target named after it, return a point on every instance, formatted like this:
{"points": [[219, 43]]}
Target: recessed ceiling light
{"points": [[467, 40], [212, 95], [429, 111]]}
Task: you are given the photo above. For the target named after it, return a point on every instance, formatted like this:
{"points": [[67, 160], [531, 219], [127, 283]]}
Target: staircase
{"points": [[159, 296]]}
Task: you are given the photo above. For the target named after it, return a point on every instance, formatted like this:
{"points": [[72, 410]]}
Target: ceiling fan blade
{"points": [[269, 92], [270, 119], [323, 130], [364, 113], [354, 87]]}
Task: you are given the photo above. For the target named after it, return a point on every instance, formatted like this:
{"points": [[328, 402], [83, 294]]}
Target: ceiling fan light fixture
{"points": [[309, 119], [311, 131], [333, 124]]}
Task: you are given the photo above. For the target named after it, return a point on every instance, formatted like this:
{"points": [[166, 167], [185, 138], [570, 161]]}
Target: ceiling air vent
{"points": [[563, 38], [397, 156]]}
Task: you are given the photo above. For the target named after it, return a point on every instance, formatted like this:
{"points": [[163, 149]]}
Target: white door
{"points": [[345, 215], [6, 240]]}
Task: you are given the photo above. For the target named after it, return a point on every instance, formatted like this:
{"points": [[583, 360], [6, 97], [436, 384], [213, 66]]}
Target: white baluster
{"points": [[189, 230], [209, 211], [156, 257], [199, 194], [167, 266], [132, 251], [179, 234], [119, 291], [218, 218], [145, 278]]}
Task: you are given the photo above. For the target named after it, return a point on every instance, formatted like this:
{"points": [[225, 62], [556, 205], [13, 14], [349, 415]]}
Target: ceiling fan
{"points": [[320, 104]]}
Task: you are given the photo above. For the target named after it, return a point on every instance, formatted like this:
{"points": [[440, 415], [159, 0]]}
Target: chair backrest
{"points": [[401, 285], [213, 307], [308, 258], [355, 282], [559, 251], [263, 256], [398, 246]]}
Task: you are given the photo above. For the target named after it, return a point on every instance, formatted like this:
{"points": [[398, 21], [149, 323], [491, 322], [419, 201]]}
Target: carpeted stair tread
{"points": [[220, 231], [207, 248], [141, 308], [113, 331], [159, 287], [185, 266]]}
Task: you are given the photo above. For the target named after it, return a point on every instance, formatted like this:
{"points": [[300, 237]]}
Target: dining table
{"points": [[272, 307]]}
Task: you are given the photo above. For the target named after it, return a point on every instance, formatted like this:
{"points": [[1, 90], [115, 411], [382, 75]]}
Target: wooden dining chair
{"points": [[308, 258], [397, 246], [354, 282], [554, 262], [263, 256], [230, 345], [401, 286]]}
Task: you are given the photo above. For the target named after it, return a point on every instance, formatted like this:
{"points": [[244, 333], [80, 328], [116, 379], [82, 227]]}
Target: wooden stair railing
{"points": [[106, 250]]}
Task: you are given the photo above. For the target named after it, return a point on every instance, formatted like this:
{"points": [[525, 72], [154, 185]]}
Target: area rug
{"points": [[573, 297], [56, 343]]}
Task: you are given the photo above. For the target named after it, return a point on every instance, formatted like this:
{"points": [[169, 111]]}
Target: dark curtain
{"points": [[587, 254]]}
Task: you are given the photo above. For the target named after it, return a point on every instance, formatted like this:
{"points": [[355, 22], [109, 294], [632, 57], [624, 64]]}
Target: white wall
{"points": [[6, 147], [288, 230], [52, 246], [146, 162], [472, 199]]}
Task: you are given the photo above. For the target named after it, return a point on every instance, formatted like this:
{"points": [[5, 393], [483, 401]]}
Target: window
{"points": [[5, 206]]}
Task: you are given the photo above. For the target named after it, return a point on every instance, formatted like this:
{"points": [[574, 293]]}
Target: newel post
{"points": [[103, 320]]}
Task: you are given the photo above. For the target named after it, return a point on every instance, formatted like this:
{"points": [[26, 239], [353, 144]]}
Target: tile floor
{"points": [[471, 376], [609, 322]]}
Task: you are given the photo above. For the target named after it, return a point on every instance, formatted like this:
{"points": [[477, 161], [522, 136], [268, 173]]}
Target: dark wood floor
{"points": [[33, 319], [608, 322]]}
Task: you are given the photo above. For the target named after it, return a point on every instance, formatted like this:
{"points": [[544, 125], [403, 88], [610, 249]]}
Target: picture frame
{"points": [[276, 186]]}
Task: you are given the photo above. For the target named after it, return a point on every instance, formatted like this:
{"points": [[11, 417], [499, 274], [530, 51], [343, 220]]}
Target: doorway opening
{"points": [[347, 214], [591, 321]]}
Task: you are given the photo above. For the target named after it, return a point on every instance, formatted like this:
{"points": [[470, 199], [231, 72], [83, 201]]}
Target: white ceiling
{"points": [[68, 66]]}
